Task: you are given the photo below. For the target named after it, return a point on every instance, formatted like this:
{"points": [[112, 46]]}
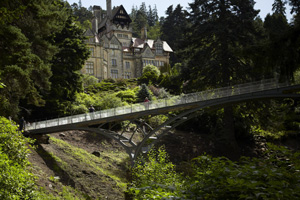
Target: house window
{"points": [[113, 53], [92, 39], [125, 36], [127, 75], [159, 48], [127, 64], [113, 62], [114, 73], [119, 35], [89, 68], [114, 44], [92, 51], [162, 63]]}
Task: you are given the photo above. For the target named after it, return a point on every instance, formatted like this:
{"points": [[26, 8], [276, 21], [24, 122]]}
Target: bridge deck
{"points": [[159, 106]]}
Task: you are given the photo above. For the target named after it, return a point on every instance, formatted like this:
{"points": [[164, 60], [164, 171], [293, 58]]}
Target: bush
{"points": [[16, 182], [276, 177], [128, 96], [156, 178], [110, 101], [150, 74], [143, 93]]}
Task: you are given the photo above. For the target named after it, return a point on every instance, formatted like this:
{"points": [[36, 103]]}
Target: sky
{"points": [[265, 6]]}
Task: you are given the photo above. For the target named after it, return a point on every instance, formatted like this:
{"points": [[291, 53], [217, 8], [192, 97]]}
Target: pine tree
{"points": [[173, 30], [143, 93], [220, 31], [279, 7]]}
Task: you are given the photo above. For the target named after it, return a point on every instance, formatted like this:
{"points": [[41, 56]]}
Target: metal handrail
{"points": [[162, 103]]}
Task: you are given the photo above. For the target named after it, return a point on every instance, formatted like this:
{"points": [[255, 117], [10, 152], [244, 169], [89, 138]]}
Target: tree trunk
{"points": [[226, 142]]}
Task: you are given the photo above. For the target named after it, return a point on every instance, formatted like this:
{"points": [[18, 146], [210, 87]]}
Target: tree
{"points": [[26, 51], [173, 30], [219, 32], [277, 54], [15, 178], [154, 31], [83, 15], [143, 93], [66, 80], [279, 7], [152, 16], [150, 74]]}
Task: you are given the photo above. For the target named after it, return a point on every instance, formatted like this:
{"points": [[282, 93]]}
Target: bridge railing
{"points": [[162, 103]]}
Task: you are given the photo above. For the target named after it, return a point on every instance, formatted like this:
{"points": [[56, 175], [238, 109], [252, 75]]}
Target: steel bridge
{"points": [[136, 136]]}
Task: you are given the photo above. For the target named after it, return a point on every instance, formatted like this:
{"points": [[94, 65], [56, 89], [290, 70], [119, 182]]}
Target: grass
{"points": [[98, 165]]}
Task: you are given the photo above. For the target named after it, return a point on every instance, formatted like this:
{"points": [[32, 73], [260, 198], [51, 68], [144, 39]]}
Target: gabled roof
{"points": [[119, 17], [89, 32], [139, 43]]}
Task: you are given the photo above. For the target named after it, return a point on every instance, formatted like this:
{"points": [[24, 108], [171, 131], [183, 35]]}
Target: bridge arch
{"points": [[189, 104]]}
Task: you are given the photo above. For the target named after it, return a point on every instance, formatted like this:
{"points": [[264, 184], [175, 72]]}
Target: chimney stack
{"points": [[108, 8], [97, 18]]}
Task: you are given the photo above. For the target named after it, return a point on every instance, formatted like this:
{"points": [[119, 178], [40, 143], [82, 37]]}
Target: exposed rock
{"points": [[62, 135], [41, 139], [96, 153]]}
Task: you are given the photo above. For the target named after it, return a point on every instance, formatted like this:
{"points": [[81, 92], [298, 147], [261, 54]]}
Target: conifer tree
{"points": [[143, 93], [219, 32]]}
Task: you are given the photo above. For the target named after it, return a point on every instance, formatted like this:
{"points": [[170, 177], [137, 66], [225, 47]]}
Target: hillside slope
{"points": [[83, 164]]}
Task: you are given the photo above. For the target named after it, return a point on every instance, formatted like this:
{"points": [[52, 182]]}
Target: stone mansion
{"points": [[114, 52]]}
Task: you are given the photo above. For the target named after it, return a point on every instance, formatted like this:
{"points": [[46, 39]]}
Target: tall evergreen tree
{"points": [[26, 51], [173, 29], [219, 32], [279, 7], [66, 79]]}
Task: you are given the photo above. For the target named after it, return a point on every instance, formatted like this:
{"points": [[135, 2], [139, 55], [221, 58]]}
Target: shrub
{"points": [[143, 93], [156, 178], [15, 180], [110, 101], [128, 96], [276, 177]]}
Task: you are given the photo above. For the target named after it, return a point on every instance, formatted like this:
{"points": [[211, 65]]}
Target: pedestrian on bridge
{"points": [[22, 124], [91, 110], [146, 103]]}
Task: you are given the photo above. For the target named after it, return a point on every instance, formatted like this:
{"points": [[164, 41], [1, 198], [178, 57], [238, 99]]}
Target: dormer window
{"points": [[114, 45], [159, 48]]}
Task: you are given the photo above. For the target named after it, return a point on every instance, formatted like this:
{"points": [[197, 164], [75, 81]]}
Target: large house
{"points": [[114, 52]]}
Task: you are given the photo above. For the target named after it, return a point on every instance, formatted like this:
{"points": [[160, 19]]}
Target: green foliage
{"points": [[150, 74], [88, 80], [15, 179], [143, 93], [273, 178], [66, 79], [173, 30], [218, 34], [160, 93], [154, 177], [83, 15], [157, 120], [154, 31], [110, 101], [151, 68], [128, 96]]}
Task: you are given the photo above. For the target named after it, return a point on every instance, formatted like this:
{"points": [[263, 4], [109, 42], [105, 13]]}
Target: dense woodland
{"points": [[216, 44]]}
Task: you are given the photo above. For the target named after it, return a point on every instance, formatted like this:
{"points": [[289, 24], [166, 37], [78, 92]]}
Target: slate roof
{"points": [[139, 43]]}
